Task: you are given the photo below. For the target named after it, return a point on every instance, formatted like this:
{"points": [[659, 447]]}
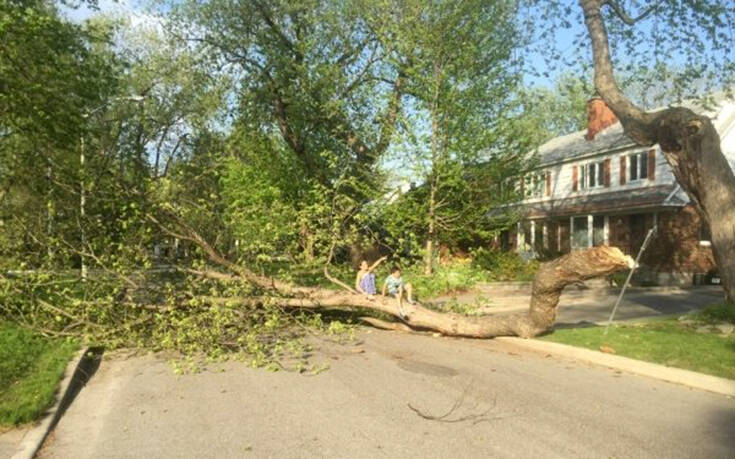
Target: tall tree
{"points": [[689, 141], [459, 78], [310, 70]]}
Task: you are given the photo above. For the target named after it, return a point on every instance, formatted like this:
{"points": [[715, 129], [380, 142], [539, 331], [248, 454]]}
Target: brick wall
{"points": [[676, 247]]}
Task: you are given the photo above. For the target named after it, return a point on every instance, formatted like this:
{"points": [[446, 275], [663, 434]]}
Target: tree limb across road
{"points": [[548, 285]]}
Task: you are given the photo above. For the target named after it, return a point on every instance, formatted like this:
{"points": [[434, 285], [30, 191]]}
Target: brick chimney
{"points": [[599, 117]]}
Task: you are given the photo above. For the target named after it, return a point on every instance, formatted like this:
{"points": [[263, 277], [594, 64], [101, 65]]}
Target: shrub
{"points": [[723, 312], [457, 276], [504, 266]]}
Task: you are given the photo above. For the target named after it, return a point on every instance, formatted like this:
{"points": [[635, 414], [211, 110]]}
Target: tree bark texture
{"points": [[550, 280], [548, 285], [690, 144]]}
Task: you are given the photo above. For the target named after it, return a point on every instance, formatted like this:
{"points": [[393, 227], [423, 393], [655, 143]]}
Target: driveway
{"points": [[385, 397], [595, 305]]}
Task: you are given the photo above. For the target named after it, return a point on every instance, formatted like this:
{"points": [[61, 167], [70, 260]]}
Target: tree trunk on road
{"points": [[548, 284], [690, 144], [550, 280]]}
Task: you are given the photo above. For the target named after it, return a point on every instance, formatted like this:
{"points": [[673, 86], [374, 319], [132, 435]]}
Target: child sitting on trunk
{"points": [[395, 286], [365, 279]]}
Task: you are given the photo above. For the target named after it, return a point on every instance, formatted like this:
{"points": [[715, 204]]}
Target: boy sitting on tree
{"points": [[395, 286]]}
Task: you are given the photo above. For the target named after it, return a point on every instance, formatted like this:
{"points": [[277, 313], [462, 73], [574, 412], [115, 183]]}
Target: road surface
{"points": [[514, 403]]}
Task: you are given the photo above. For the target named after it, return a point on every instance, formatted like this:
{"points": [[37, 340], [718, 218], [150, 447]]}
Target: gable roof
{"points": [[575, 145]]}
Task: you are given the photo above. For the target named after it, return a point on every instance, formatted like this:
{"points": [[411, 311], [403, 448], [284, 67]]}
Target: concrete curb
{"points": [[33, 440], [652, 370]]}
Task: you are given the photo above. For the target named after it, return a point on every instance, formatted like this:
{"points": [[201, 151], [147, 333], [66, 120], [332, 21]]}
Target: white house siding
{"points": [[561, 176], [554, 156], [725, 124]]}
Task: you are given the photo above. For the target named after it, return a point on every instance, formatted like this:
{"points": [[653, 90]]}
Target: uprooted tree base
{"points": [[550, 280]]}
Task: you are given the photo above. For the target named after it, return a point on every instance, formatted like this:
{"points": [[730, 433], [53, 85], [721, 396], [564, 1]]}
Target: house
{"points": [[596, 187]]}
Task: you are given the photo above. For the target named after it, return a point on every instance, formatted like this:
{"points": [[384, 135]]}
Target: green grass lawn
{"points": [[30, 369], [666, 342]]}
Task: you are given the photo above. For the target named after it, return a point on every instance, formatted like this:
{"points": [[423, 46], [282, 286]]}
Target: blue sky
{"points": [[136, 9]]}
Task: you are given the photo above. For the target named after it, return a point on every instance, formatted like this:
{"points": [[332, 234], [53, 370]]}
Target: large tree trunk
{"points": [[550, 280], [690, 144], [548, 284]]}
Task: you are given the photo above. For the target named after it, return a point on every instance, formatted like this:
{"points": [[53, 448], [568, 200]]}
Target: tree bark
{"points": [[550, 280], [435, 156], [690, 144], [548, 285], [429, 256]]}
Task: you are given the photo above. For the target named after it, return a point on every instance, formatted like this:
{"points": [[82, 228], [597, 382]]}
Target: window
{"points": [[580, 235], [637, 166], [593, 175], [584, 235], [534, 185], [598, 230]]}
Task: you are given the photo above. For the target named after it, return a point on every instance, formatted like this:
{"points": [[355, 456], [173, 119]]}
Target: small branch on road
{"points": [[474, 418]]}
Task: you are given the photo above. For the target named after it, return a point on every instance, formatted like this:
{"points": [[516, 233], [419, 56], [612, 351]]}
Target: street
{"points": [[374, 401]]}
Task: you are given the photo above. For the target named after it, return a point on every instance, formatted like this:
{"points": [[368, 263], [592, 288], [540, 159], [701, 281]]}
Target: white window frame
{"points": [[534, 185], [640, 170], [585, 175]]}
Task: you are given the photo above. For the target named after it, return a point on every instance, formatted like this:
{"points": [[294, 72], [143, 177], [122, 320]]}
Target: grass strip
{"points": [[667, 342], [31, 367]]}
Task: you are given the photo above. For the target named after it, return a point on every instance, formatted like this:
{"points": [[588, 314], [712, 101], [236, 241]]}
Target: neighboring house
{"points": [[596, 187]]}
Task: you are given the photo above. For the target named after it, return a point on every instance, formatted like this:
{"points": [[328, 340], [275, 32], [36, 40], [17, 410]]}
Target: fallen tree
{"points": [[216, 307], [548, 285], [551, 279]]}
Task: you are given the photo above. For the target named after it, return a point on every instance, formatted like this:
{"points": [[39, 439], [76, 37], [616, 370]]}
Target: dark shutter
{"points": [[622, 170], [548, 183], [652, 164], [607, 172], [575, 178]]}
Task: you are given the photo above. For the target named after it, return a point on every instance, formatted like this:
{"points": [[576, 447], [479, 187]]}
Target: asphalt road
{"points": [[507, 402], [594, 305]]}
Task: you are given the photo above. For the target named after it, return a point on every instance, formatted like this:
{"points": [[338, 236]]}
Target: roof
{"points": [[616, 201], [575, 145]]}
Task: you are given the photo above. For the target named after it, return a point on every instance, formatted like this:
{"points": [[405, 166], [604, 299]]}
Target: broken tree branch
{"points": [[620, 12]]}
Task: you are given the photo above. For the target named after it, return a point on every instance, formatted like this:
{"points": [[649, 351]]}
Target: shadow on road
{"points": [[580, 324], [84, 371], [723, 433]]}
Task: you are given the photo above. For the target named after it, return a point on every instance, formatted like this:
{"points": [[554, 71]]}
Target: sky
{"points": [[541, 74], [136, 11]]}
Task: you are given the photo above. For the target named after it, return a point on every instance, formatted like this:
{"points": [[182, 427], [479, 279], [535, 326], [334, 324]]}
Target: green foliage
{"points": [[455, 277], [717, 313], [457, 307], [50, 78], [30, 369], [667, 342], [461, 143], [504, 265], [684, 44], [555, 111]]}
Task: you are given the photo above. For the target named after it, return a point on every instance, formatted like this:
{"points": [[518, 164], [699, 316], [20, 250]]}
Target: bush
{"points": [[457, 276], [504, 266], [723, 312]]}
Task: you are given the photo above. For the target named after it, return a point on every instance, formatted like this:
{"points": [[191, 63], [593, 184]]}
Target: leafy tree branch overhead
{"points": [[220, 171]]}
